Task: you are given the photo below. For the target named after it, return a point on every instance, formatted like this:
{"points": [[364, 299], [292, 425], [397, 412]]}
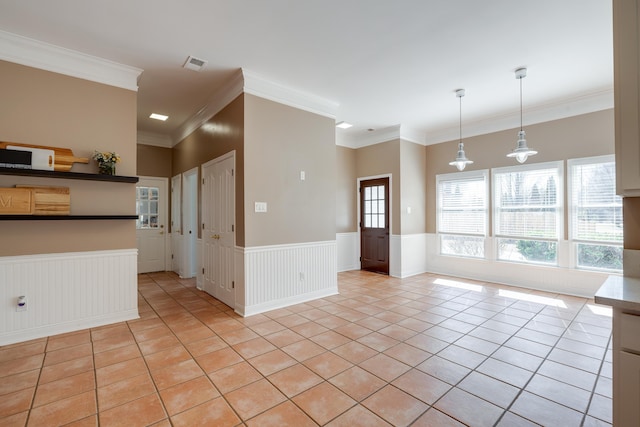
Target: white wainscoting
{"points": [[412, 254], [282, 275], [407, 253], [348, 250], [562, 280], [66, 292]]}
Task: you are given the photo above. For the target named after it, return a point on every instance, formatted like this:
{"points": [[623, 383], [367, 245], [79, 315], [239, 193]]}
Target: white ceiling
{"points": [[380, 63]]}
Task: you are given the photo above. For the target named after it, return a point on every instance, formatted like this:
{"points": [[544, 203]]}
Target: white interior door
{"points": [[218, 233], [190, 222], [176, 225], [151, 208]]}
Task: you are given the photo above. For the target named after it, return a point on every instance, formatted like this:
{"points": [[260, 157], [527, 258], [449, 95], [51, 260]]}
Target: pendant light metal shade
{"points": [[461, 160], [521, 152]]}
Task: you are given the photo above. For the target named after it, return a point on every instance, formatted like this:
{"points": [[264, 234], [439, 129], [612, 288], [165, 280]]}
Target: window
{"points": [[462, 213], [596, 213], [147, 207], [528, 212]]}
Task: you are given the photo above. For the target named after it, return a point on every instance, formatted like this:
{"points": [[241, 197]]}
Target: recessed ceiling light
{"points": [[344, 125], [158, 116]]}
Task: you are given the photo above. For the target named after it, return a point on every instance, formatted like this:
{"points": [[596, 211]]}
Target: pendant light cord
{"points": [[460, 120], [520, 103]]}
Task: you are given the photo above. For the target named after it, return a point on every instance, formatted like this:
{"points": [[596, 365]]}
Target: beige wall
{"points": [[223, 133], [346, 179], [413, 172], [154, 161], [381, 159], [44, 108], [280, 142], [574, 137]]}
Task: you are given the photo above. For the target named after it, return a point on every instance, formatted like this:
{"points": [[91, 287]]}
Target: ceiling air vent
{"points": [[194, 64]]}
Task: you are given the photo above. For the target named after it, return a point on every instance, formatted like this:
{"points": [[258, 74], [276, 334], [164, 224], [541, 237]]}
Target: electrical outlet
{"points": [[22, 304]]}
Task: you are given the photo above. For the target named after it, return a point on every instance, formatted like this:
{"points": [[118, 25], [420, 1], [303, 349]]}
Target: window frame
{"points": [[464, 176], [559, 206], [574, 241]]}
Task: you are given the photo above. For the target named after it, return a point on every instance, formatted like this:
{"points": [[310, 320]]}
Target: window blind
{"points": [[596, 209], [462, 204], [527, 203]]}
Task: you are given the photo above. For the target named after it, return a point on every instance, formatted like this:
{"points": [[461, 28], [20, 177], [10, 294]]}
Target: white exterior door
{"points": [[176, 225], [218, 233], [151, 208]]}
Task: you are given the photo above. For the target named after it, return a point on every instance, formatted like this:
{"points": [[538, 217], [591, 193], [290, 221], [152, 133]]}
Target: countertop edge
{"points": [[620, 292]]}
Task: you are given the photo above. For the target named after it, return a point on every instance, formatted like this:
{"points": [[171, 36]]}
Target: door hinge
{"points": [[202, 270], [171, 256], [203, 225], [231, 172], [360, 261], [202, 181], [233, 285], [232, 227]]}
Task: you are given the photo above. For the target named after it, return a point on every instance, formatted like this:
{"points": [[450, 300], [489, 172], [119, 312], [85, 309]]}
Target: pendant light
{"points": [[461, 160], [521, 152]]}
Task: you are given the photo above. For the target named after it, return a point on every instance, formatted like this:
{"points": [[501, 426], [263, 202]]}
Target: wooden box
{"points": [[16, 201], [50, 200]]}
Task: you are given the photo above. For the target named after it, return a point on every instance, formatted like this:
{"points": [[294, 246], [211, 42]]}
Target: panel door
{"points": [[218, 198], [374, 225], [151, 208]]}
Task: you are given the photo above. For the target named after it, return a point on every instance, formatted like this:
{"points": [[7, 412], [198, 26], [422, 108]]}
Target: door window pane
{"points": [[374, 207], [147, 207]]}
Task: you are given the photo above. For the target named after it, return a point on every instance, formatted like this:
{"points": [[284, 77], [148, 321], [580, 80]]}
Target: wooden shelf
{"points": [[63, 217], [68, 175]]}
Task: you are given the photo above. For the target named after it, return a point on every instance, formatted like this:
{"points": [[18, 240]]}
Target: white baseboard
{"points": [[284, 302]]}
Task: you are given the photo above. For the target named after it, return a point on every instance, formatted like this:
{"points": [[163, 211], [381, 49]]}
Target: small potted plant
{"points": [[106, 162]]}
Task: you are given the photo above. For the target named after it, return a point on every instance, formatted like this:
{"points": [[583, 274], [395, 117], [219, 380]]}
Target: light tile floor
{"points": [[424, 351]]}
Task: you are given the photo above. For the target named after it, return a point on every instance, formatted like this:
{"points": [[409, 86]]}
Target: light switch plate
{"points": [[261, 206]]}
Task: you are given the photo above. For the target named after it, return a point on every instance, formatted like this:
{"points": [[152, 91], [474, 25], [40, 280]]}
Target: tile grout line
{"points": [[595, 384], [186, 349]]}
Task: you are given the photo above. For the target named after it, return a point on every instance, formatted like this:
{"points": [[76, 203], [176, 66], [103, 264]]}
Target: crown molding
{"points": [[244, 81], [589, 103], [259, 86], [562, 109], [44, 56], [381, 135], [370, 138], [155, 139]]}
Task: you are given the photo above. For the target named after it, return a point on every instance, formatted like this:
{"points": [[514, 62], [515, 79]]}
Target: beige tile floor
{"points": [[424, 351]]}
